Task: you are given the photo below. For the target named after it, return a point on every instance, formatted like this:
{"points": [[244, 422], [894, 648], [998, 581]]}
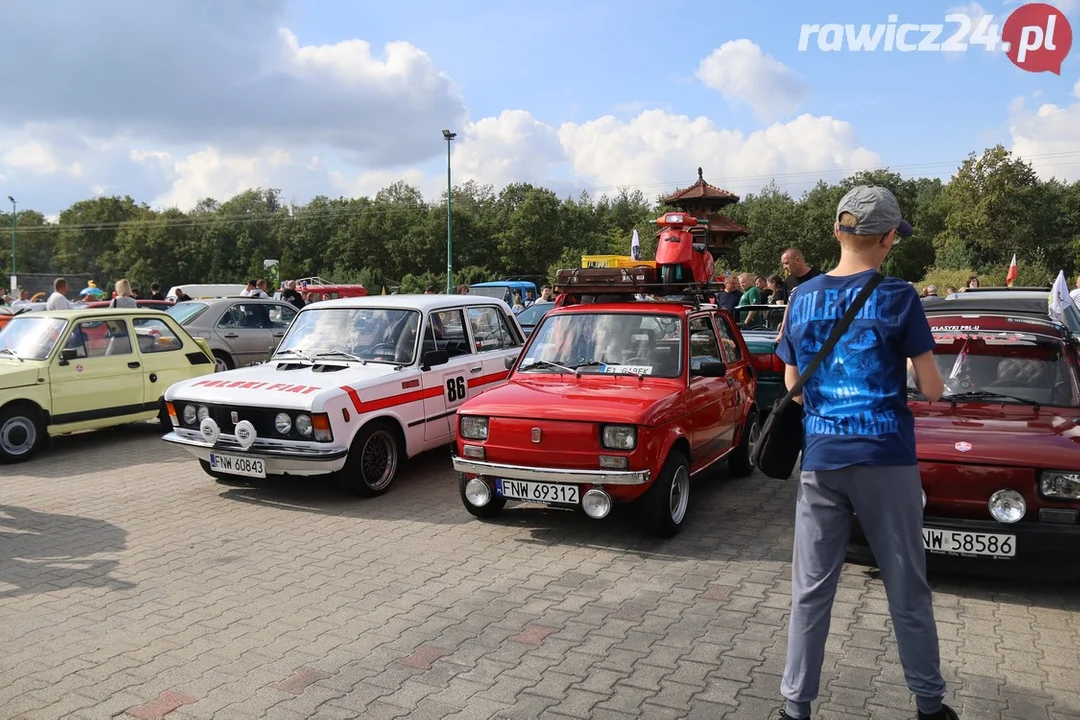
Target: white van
{"points": [[207, 291]]}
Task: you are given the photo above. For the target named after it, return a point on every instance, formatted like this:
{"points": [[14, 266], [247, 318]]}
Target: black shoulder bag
{"points": [[781, 438]]}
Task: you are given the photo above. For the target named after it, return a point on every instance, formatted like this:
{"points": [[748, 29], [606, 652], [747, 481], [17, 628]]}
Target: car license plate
{"points": [[537, 492], [233, 465], [956, 542]]}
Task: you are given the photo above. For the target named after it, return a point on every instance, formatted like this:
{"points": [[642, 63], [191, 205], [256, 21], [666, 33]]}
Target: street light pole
{"points": [[14, 245], [449, 219]]}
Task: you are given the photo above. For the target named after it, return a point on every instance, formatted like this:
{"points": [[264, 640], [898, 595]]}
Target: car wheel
{"points": [[741, 460], [223, 361], [494, 506], [22, 432], [373, 461], [163, 417], [664, 505]]}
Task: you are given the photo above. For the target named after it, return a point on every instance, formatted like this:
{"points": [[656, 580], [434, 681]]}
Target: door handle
{"points": [[280, 334], [476, 369], [133, 365], [231, 335]]}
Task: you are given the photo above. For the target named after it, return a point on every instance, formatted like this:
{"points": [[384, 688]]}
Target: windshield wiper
{"points": [[342, 353], [12, 353], [547, 363], [587, 363], [987, 395], [299, 353]]}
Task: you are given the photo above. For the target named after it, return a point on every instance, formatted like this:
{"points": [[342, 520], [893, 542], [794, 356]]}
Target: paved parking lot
{"points": [[132, 585]]}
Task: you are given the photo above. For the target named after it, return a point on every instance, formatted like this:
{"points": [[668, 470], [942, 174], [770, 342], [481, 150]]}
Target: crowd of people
{"points": [[743, 288]]}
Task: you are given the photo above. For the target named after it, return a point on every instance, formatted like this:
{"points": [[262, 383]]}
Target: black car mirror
{"points": [[434, 357], [710, 370], [509, 362]]}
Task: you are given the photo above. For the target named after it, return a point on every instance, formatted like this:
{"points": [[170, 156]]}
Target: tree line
{"points": [[995, 205]]}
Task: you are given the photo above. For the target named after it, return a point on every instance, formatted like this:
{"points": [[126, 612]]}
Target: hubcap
{"points": [[378, 460], [752, 438], [17, 436], [680, 494]]}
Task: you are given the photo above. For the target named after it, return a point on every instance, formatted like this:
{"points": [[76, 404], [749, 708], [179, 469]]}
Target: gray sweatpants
{"points": [[888, 501]]}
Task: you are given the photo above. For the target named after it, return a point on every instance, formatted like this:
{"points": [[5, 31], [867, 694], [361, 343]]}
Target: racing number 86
{"points": [[455, 389]]}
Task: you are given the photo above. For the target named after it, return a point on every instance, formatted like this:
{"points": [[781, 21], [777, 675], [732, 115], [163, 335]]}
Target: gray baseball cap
{"points": [[876, 212]]}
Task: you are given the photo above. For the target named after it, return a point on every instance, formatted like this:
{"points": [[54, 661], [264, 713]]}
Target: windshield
{"points": [[499, 291], [607, 343], [185, 312], [368, 334], [761, 319], [30, 338], [1026, 366], [532, 314]]}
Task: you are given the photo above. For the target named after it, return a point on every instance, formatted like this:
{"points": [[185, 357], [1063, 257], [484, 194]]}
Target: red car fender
{"points": [[672, 435]]}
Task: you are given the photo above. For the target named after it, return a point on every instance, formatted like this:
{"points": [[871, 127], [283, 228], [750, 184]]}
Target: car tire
{"points": [[741, 460], [493, 508], [22, 432], [373, 460], [164, 419], [224, 358], [664, 505]]}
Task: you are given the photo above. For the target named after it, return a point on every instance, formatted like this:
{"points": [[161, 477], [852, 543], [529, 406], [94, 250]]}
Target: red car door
{"points": [[712, 399]]}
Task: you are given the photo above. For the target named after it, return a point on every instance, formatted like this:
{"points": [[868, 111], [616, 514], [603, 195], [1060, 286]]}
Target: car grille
{"points": [[261, 418]]}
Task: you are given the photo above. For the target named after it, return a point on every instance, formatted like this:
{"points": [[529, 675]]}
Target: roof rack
{"points": [[639, 280]]}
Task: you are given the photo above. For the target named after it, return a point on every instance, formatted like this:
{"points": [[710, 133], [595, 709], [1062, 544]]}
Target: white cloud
{"points": [[741, 72], [1048, 137], [38, 158]]}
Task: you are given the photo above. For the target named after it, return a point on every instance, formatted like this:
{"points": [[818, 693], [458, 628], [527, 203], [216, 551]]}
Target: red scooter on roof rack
{"points": [[679, 259]]}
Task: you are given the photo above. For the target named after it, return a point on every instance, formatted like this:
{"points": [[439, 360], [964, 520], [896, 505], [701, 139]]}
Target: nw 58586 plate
{"points": [[956, 542]]}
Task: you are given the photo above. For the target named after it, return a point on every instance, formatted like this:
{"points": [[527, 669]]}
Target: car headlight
{"points": [[1007, 506], [189, 415], [283, 423], [303, 425], [1060, 484], [474, 428], [203, 413], [619, 437]]}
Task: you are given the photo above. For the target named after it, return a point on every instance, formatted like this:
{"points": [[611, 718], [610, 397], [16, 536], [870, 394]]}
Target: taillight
{"points": [[768, 363]]}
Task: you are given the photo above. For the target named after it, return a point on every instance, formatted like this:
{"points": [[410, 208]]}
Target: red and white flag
{"points": [[1010, 277]]}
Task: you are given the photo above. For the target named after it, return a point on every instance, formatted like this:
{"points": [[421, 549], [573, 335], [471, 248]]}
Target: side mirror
{"points": [[434, 357], [710, 370], [67, 355], [509, 361]]}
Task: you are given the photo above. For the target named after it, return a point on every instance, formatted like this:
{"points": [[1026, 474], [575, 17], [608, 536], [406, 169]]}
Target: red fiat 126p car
{"points": [[999, 453], [616, 401]]}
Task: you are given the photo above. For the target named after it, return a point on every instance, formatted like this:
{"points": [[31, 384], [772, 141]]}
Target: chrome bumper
{"points": [[554, 475], [283, 451]]}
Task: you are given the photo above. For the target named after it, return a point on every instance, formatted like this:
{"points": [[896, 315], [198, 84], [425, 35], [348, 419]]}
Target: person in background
{"points": [[750, 295], [181, 296], [155, 292], [950, 291], [859, 453], [24, 298], [729, 297], [517, 306], [124, 298], [762, 285], [797, 269], [462, 289], [250, 289], [291, 296], [930, 296], [779, 294], [546, 294], [58, 300], [529, 298], [260, 290], [972, 282], [430, 290]]}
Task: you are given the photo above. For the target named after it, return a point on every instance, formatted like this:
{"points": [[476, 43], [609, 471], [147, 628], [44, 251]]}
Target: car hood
{"points": [[1013, 435], [279, 383], [15, 374], [591, 398]]}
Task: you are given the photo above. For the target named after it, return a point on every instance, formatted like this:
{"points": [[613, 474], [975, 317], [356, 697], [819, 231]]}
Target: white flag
{"points": [[958, 366], [1059, 297], [635, 246]]}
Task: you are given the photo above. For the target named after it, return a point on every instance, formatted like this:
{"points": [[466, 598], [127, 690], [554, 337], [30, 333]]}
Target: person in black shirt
{"points": [[291, 296], [797, 269], [155, 292], [779, 291], [729, 297]]}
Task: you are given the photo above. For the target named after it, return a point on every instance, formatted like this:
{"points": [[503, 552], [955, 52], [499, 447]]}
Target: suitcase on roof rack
{"points": [[609, 278]]}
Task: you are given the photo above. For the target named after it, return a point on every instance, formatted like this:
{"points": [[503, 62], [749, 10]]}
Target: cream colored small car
{"points": [[65, 371]]}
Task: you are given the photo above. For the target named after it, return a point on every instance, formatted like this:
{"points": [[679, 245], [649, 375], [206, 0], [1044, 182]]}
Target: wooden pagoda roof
{"points": [[702, 190]]}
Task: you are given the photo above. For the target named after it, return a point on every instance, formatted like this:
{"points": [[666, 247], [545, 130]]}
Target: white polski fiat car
{"points": [[355, 386]]}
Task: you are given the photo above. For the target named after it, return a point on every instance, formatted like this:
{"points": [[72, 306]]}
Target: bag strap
{"points": [[834, 337]]}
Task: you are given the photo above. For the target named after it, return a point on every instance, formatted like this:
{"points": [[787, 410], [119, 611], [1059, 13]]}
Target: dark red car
{"points": [[612, 402], [999, 453]]}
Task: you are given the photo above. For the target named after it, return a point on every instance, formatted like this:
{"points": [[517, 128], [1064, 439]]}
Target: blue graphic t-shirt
{"points": [[856, 410]]}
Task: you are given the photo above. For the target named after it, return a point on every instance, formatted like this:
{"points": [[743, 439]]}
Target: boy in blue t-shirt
{"points": [[859, 451]]}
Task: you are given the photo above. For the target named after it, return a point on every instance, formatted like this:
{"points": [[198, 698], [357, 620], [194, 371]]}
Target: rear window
{"points": [[185, 312]]}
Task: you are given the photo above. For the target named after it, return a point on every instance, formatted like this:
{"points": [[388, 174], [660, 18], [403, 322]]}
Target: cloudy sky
{"points": [[172, 101]]}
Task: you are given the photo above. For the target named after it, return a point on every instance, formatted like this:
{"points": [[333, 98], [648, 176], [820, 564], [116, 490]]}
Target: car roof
{"points": [[423, 303], [80, 312], [638, 307], [1023, 302]]}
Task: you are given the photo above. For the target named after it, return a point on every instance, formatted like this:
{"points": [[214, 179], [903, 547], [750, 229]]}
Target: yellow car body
{"points": [[67, 371]]}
